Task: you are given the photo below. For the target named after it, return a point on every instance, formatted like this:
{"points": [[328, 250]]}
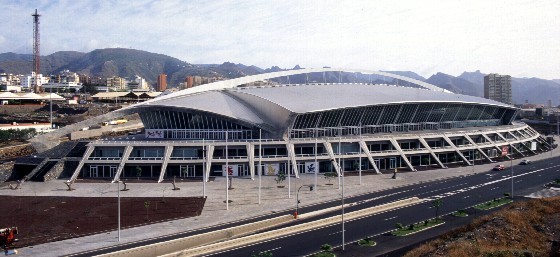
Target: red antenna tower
{"points": [[36, 52]]}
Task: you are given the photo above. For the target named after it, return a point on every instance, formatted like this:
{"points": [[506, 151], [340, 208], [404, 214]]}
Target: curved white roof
{"points": [[319, 97], [277, 105]]}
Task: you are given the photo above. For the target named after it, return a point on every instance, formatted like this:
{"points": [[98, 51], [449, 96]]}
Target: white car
{"points": [[525, 162]]}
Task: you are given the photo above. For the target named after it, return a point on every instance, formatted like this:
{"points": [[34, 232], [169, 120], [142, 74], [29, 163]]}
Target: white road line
{"points": [[391, 218]]}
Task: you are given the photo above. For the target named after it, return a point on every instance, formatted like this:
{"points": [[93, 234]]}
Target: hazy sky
{"points": [[520, 38]]}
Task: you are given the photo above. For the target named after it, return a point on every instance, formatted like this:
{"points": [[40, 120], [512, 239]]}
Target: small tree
{"points": [[280, 177], [326, 248], [437, 203], [399, 226]]}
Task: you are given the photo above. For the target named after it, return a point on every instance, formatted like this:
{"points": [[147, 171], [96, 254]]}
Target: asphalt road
{"points": [[456, 193]]}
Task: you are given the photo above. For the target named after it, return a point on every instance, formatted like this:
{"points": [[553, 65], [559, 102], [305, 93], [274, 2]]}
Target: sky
{"points": [[515, 37]]}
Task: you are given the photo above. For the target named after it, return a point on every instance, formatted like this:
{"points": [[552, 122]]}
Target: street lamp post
{"points": [[203, 169], [297, 199], [511, 165], [119, 210]]}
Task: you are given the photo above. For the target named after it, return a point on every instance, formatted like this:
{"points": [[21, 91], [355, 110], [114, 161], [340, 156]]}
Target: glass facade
{"points": [[194, 125], [191, 124], [398, 118]]}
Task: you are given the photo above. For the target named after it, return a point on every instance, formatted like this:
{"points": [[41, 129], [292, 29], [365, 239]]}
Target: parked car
{"points": [[499, 167], [525, 162]]}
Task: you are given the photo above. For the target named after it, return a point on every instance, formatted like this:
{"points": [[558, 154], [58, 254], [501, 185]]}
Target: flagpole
{"points": [[227, 173], [260, 164]]}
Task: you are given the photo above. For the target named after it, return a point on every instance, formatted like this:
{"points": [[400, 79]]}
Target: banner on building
{"points": [[271, 168], [311, 167], [154, 133], [504, 150], [233, 170]]}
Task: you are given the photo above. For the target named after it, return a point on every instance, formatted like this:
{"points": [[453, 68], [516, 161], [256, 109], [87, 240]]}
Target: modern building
{"points": [[138, 84], [116, 84], [56, 87], [310, 128], [498, 88], [162, 82], [27, 81]]}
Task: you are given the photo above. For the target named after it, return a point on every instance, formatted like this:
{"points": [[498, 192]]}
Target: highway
{"points": [[456, 193]]}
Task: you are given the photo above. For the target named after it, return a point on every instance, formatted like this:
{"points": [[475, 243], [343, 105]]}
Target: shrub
{"points": [[280, 177], [399, 225], [326, 248]]}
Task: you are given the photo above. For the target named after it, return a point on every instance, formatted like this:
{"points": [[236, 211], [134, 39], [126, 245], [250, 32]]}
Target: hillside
{"points": [[130, 62], [525, 228], [456, 85], [23, 63]]}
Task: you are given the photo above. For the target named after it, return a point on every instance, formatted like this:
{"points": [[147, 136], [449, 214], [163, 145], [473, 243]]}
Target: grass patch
{"points": [[494, 203], [413, 228], [460, 213], [324, 254], [366, 242]]}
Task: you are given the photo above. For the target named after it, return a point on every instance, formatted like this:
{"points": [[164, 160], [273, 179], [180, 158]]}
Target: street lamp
{"points": [[297, 198]]}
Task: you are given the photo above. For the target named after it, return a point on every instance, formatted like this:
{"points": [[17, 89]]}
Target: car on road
{"points": [[499, 167], [525, 162]]}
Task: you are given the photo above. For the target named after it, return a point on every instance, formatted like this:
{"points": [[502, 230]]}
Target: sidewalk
{"points": [[244, 199]]}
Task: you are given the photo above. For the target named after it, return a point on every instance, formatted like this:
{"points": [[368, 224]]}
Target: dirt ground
{"points": [[47, 219]]}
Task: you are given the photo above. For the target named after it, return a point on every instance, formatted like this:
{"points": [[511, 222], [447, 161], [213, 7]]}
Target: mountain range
{"points": [[128, 63]]}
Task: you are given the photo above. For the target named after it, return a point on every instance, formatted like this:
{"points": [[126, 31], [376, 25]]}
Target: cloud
{"points": [[510, 37]]}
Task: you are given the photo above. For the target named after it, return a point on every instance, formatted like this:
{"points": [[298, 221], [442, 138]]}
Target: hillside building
{"points": [[498, 88], [162, 82]]}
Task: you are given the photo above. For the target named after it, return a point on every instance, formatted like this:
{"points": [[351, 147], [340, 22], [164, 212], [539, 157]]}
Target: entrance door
{"points": [[392, 163], [301, 167], [187, 171], [93, 172], [243, 170], [112, 171], [377, 163]]}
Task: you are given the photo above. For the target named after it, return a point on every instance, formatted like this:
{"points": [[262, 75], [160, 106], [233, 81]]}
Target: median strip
{"points": [[251, 239]]}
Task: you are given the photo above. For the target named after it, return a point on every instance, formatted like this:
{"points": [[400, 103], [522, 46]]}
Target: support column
{"points": [[88, 152], [292, 156], [446, 138], [510, 144], [166, 156], [209, 154], [330, 151], [251, 157], [403, 156], [477, 147], [364, 147], [127, 151], [434, 155], [494, 144]]}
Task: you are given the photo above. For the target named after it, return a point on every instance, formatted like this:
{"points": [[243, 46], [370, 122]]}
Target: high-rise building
{"points": [[162, 82], [498, 87]]}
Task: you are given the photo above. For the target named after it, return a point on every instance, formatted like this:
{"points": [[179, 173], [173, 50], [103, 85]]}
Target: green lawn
{"points": [[366, 242], [494, 203], [417, 227], [460, 214], [324, 254]]}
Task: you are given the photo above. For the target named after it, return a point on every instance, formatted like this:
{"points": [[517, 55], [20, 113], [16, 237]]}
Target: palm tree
{"points": [[437, 203]]}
